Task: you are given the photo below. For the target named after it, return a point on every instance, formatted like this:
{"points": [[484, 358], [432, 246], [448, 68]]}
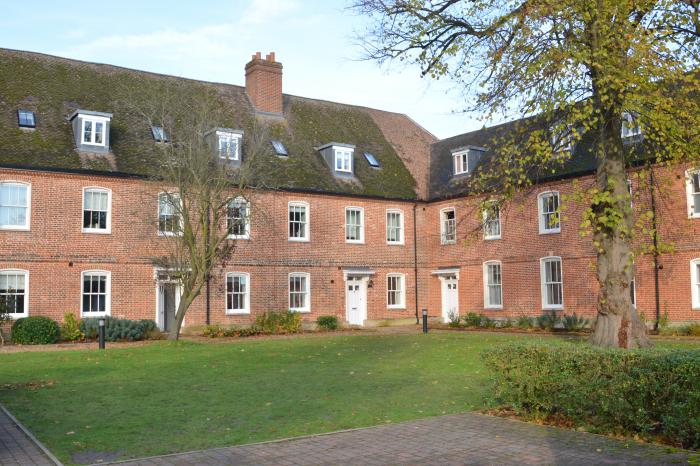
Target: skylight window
{"points": [[279, 148], [372, 160], [25, 118], [159, 134]]}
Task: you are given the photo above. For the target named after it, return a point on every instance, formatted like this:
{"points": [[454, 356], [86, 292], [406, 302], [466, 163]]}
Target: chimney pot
{"points": [[263, 83]]}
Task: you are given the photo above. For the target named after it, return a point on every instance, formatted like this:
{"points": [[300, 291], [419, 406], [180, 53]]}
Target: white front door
{"points": [[355, 301], [450, 300]]}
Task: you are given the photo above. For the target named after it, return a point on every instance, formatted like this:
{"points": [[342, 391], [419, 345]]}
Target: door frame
{"points": [[157, 274], [362, 280], [446, 275]]}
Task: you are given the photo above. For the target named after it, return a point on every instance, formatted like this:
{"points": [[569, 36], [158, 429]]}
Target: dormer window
{"points": [[343, 159], [25, 119], [159, 134], [630, 126], [91, 130], [229, 145], [461, 162], [372, 160], [94, 131], [279, 148]]}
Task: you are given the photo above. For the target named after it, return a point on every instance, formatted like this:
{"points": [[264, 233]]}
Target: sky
{"points": [[211, 40]]}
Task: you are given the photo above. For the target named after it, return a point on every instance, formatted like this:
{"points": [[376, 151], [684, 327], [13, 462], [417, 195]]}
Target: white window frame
{"points": [[443, 229], [695, 283], [108, 293], [93, 120], [543, 285], [307, 224], [246, 295], [246, 233], [402, 238], [108, 224], [633, 294], [544, 228], [498, 218], [402, 291], [28, 207], [343, 155], [625, 130], [25, 313], [460, 162], [229, 136], [179, 213], [361, 239], [690, 194], [487, 293], [307, 291]]}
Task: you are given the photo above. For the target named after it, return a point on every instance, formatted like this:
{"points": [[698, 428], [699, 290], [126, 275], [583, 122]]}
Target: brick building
{"points": [[354, 212]]}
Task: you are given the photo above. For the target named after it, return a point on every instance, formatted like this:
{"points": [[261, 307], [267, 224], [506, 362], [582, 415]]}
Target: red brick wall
{"points": [[55, 251]]}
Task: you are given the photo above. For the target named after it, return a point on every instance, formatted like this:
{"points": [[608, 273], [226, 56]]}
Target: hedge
{"points": [[36, 330], [117, 329], [650, 392]]}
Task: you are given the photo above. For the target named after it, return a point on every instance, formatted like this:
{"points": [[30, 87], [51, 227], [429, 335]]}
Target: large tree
{"points": [[580, 69]]}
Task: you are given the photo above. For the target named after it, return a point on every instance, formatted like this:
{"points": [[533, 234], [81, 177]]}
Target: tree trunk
{"points": [[185, 302], [617, 324]]}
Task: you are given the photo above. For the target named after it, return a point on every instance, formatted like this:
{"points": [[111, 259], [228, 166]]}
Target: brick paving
{"points": [[460, 439], [17, 448]]}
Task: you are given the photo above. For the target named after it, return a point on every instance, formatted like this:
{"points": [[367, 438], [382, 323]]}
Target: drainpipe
{"points": [[656, 252], [415, 260], [207, 294]]}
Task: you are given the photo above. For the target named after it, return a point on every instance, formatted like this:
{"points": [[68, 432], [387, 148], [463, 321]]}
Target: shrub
{"points": [[504, 323], [694, 330], [453, 318], [574, 323], [472, 319], [272, 322], [485, 322], [645, 392], [548, 320], [70, 329], [5, 318], [327, 322], [118, 329], [35, 330], [525, 322]]}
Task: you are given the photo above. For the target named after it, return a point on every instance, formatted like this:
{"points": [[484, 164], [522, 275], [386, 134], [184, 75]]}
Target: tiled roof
{"points": [[55, 87]]}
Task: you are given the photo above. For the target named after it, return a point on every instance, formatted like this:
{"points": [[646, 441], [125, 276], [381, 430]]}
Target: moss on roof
{"points": [[54, 87]]}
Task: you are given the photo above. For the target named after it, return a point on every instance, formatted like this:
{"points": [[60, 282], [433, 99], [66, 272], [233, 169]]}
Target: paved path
{"points": [[460, 439], [17, 448]]}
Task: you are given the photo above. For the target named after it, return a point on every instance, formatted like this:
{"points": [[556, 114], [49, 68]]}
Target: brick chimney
{"points": [[263, 83]]}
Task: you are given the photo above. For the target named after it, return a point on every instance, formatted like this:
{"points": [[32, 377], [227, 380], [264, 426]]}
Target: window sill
{"points": [[447, 243], [18, 316], [14, 228], [301, 311], [168, 233], [85, 315], [347, 241], [397, 308], [237, 313], [246, 237], [493, 308], [96, 144], [298, 240], [97, 231], [694, 215], [389, 243], [550, 232], [553, 308], [491, 238]]}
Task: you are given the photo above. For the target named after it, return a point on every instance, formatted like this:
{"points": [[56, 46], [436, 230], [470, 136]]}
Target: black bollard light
{"points": [[101, 332], [425, 321]]}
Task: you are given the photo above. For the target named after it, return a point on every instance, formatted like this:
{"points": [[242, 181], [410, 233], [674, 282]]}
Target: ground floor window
{"points": [[299, 292], [493, 291], [395, 292], [552, 283], [13, 292], [95, 293], [237, 293]]}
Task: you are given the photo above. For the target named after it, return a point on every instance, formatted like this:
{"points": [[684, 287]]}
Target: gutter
{"points": [[415, 260], [656, 252]]}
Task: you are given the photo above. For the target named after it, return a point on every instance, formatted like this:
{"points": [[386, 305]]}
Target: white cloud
{"points": [[262, 11]]}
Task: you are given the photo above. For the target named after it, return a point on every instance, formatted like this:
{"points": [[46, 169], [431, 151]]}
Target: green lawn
{"points": [[165, 397]]}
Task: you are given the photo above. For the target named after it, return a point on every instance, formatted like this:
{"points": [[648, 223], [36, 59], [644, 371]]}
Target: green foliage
{"points": [[472, 319], [453, 319], [548, 320], [35, 330], [645, 392], [327, 322], [118, 329], [70, 329], [5, 318], [664, 320], [271, 322], [692, 330], [525, 322], [504, 323], [574, 323]]}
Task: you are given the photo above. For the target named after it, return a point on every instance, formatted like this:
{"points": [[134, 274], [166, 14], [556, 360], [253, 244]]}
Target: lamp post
{"points": [[425, 321], [101, 332]]}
